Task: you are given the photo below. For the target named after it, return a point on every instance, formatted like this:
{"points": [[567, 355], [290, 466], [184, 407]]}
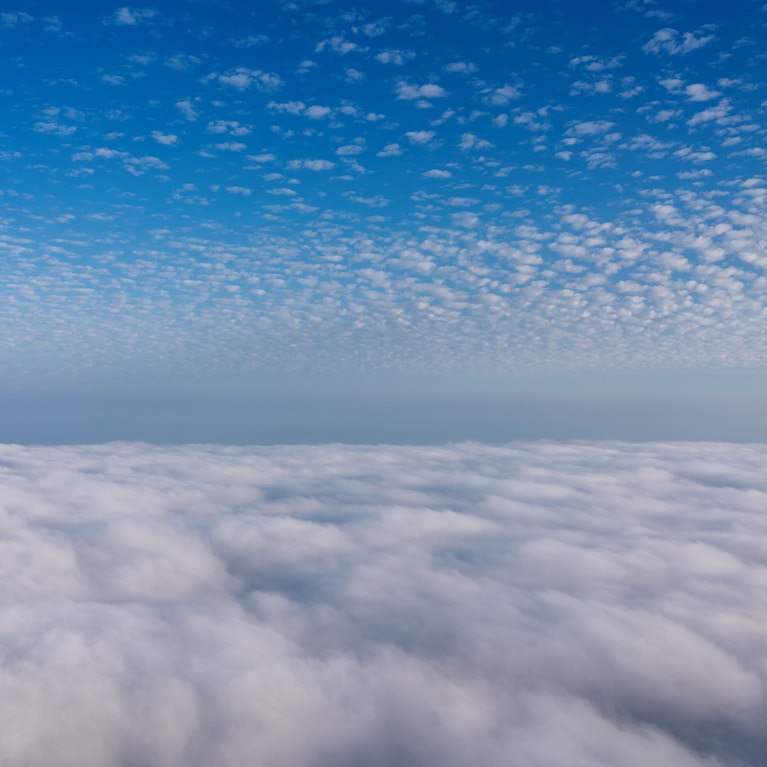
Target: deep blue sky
{"points": [[212, 198]]}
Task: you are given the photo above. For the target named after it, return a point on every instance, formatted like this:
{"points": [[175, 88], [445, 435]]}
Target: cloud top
{"points": [[536, 604]]}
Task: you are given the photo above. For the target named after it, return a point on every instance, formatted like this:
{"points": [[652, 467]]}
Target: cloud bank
{"points": [[539, 604]]}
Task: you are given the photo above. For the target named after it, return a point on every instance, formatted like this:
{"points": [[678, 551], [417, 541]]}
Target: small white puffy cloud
{"points": [[243, 78], [349, 150], [168, 139], [390, 150], [721, 113], [672, 84], [126, 16], [101, 152], [670, 42], [408, 92], [291, 107], [430, 605], [376, 201], [11, 19], [590, 128], [595, 87], [503, 95], [316, 165], [398, 58], [472, 141], [137, 166], [112, 79], [232, 146], [437, 173], [54, 127], [262, 158], [700, 92], [188, 109], [241, 190], [465, 219], [595, 63], [181, 61], [317, 112], [420, 137], [688, 153], [354, 75], [463, 67], [337, 44], [232, 127]]}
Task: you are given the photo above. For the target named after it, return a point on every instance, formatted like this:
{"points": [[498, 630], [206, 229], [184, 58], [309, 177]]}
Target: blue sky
{"points": [[418, 196]]}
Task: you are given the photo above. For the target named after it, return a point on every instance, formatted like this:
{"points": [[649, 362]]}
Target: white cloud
{"points": [[592, 88], [354, 75], [437, 173], [720, 113], [503, 95], [407, 92], [52, 126], [168, 139], [232, 146], [232, 127], [243, 78], [377, 201], [131, 16], [699, 92], [13, 18], [316, 165], [559, 603], [317, 112], [688, 153], [462, 67], [348, 150], [465, 219], [397, 58], [181, 61], [390, 150], [471, 141], [138, 166], [337, 44], [420, 137], [242, 190], [670, 42], [291, 107], [263, 157], [590, 128], [188, 109], [595, 64]]}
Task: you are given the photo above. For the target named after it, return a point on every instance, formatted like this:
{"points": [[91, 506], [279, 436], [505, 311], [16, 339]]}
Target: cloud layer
{"points": [[539, 604], [209, 194]]}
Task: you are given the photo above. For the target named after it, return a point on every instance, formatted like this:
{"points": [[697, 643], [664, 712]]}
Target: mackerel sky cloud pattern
{"points": [[199, 194]]}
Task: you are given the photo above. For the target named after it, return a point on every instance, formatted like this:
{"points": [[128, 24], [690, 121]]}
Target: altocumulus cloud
{"points": [[536, 604]]}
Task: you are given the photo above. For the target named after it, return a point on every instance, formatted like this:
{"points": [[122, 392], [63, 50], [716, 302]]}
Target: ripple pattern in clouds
{"points": [[202, 195]]}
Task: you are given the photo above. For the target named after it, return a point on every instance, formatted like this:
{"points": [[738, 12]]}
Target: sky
{"points": [[535, 605], [424, 199]]}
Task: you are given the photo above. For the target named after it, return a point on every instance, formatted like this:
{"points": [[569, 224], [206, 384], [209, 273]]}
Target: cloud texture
{"points": [[205, 195], [539, 604]]}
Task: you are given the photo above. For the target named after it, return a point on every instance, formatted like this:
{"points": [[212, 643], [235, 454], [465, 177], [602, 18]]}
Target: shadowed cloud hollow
{"points": [[539, 604]]}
